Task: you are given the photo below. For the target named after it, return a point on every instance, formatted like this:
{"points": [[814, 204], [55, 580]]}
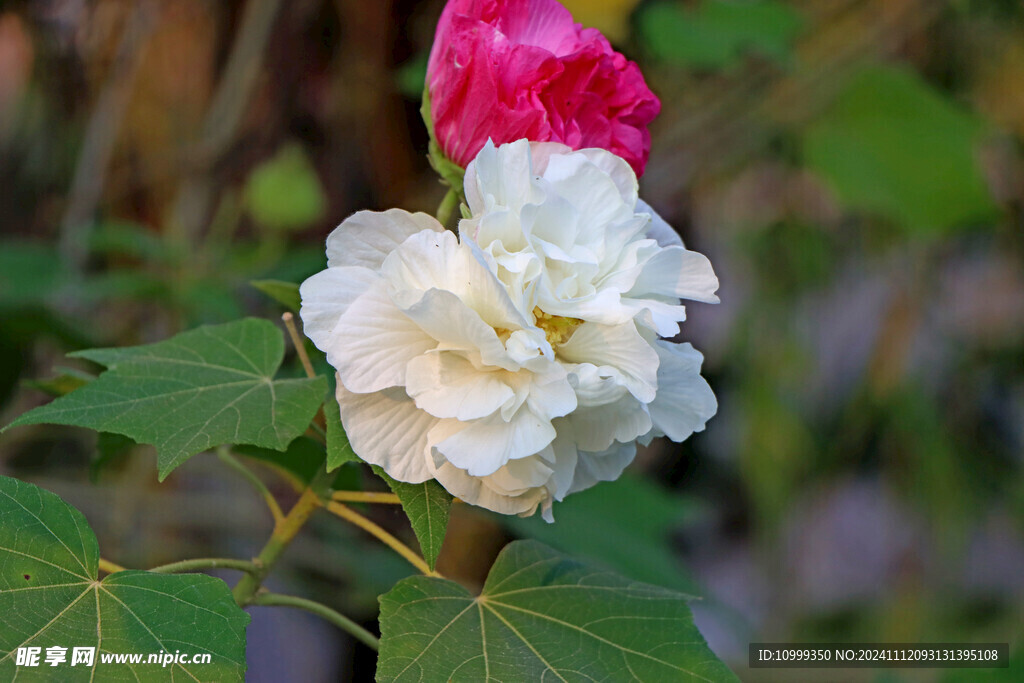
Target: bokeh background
{"points": [[853, 168]]}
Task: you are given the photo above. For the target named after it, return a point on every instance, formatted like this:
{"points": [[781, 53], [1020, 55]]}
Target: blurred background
{"points": [[853, 168]]}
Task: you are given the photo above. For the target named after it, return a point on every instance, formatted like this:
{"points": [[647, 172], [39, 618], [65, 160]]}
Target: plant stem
{"points": [[350, 515], [365, 497], [206, 563], [109, 567], [300, 347], [447, 207], [234, 463], [336, 618], [311, 499]]}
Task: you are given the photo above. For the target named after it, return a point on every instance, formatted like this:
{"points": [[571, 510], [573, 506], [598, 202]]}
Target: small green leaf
{"points": [[339, 451], [284, 193], [284, 293], [200, 389], [427, 506], [541, 616], [893, 146], [51, 597]]}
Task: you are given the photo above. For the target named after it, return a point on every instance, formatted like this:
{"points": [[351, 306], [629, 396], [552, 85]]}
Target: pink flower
{"points": [[512, 69]]}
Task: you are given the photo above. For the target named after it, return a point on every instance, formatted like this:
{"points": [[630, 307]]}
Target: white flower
{"points": [[522, 362]]}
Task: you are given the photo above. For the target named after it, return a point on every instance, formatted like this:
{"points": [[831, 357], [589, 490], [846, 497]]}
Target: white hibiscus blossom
{"points": [[522, 362]]}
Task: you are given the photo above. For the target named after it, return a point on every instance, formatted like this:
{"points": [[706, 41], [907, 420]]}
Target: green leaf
{"points": [[893, 146], [284, 193], [541, 616], [339, 451], [50, 596], [715, 34], [623, 525], [427, 506], [200, 389], [284, 293]]}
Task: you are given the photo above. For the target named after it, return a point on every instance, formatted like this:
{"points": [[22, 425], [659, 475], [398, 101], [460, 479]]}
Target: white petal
{"points": [[432, 260], [455, 326], [618, 170], [475, 491], [563, 450], [373, 342], [658, 229], [677, 272], [500, 176], [604, 466], [447, 385], [387, 429], [519, 476], [656, 314], [326, 296], [366, 237], [482, 446], [616, 349], [684, 402], [596, 428]]}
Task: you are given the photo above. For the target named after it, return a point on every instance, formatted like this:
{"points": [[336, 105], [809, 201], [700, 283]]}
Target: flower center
{"points": [[556, 328]]}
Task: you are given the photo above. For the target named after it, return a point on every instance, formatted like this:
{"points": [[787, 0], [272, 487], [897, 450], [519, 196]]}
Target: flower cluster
{"points": [[523, 359]]}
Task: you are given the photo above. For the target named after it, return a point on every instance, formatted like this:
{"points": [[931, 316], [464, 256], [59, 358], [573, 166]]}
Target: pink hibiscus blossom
{"points": [[512, 69]]}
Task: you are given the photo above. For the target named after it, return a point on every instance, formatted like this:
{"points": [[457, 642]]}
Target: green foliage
{"points": [[284, 193], [893, 146], [715, 34], [50, 596], [427, 505], [623, 525], [203, 388], [541, 614], [284, 293]]}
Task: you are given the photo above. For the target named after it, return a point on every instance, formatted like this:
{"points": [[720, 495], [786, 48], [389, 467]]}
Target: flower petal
{"points": [[684, 402], [617, 350], [604, 466], [445, 384], [386, 428], [679, 272], [325, 298], [373, 342], [366, 237], [435, 260], [658, 229], [475, 490], [597, 427], [482, 446]]}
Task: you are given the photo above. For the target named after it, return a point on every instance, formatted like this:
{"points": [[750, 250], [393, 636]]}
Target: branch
{"points": [[336, 618]]}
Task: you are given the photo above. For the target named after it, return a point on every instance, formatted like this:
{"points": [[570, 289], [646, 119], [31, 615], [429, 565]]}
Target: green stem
{"points": [[336, 618], [205, 563], [284, 531], [234, 463], [447, 207]]}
